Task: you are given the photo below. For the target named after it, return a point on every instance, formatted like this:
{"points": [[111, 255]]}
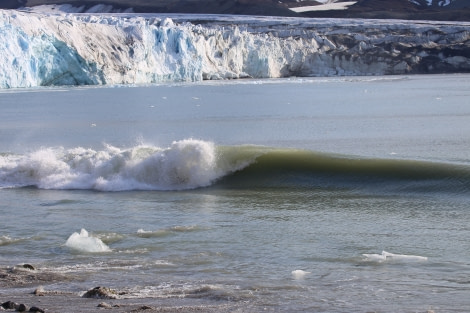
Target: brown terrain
{"points": [[396, 9]]}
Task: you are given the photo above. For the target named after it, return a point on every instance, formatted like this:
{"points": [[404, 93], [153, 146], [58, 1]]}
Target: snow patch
{"points": [[440, 3], [328, 6]]}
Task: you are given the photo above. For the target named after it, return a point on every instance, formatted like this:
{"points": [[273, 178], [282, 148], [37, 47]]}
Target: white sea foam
{"points": [[5, 240], [91, 267], [189, 290], [111, 237], [84, 242], [153, 233], [168, 231], [186, 164], [391, 257]]}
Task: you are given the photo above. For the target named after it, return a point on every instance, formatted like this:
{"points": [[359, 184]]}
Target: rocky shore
{"points": [[55, 303], [23, 288]]}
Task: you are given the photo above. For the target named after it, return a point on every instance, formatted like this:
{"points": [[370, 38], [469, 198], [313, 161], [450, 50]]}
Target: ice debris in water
{"points": [[84, 242], [299, 274], [387, 256]]}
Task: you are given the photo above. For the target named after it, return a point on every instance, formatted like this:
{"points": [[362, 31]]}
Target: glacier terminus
{"points": [[55, 49]]}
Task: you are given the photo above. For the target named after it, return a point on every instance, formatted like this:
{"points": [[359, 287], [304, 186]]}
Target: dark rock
{"points": [[22, 308], [145, 307], [36, 309], [9, 305], [29, 267], [100, 293]]}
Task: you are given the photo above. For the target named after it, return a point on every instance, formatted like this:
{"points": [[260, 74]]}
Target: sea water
{"points": [[320, 195]]}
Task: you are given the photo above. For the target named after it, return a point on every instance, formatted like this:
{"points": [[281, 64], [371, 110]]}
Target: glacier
{"points": [[55, 49]]}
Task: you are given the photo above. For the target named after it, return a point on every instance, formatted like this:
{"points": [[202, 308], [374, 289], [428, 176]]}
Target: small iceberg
{"points": [[85, 243], [299, 274], [387, 256]]}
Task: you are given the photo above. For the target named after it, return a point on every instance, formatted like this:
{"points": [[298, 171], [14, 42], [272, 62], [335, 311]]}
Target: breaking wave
{"points": [[185, 164], [189, 164]]}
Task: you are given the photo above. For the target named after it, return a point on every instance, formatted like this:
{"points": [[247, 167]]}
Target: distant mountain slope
{"points": [[449, 4], [443, 10], [248, 7], [451, 10]]}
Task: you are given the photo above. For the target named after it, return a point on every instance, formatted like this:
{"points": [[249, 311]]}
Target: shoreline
{"points": [[23, 284], [56, 303]]}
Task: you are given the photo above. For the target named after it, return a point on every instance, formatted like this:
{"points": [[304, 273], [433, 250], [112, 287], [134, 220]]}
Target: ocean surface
{"points": [[293, 195]]}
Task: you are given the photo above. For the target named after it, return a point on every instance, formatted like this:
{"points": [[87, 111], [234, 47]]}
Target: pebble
{"points": [[104, 305], [39, 291]]}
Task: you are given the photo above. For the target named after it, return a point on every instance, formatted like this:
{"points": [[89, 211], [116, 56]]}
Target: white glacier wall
{"points": [[39, 49]]}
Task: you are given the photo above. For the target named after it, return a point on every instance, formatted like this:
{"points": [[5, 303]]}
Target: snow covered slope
{"points": [[440, 3], [38, 49]]}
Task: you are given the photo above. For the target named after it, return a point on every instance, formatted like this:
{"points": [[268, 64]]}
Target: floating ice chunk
{"points": [[84, 242], [299, 274], [387, 256]]}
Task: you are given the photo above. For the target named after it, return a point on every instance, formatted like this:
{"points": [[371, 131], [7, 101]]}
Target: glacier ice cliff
{"points": [[38, 49]]}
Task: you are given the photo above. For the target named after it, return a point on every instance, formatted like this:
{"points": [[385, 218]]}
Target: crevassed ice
{"points": [[40, 49], [86, 49]]}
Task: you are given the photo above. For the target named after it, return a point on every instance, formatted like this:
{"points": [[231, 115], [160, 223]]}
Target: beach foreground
{"points": [[25, 287]]}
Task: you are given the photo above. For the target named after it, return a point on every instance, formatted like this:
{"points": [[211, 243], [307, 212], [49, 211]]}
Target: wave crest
{"points": [[190, 164], [186, 164]]}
